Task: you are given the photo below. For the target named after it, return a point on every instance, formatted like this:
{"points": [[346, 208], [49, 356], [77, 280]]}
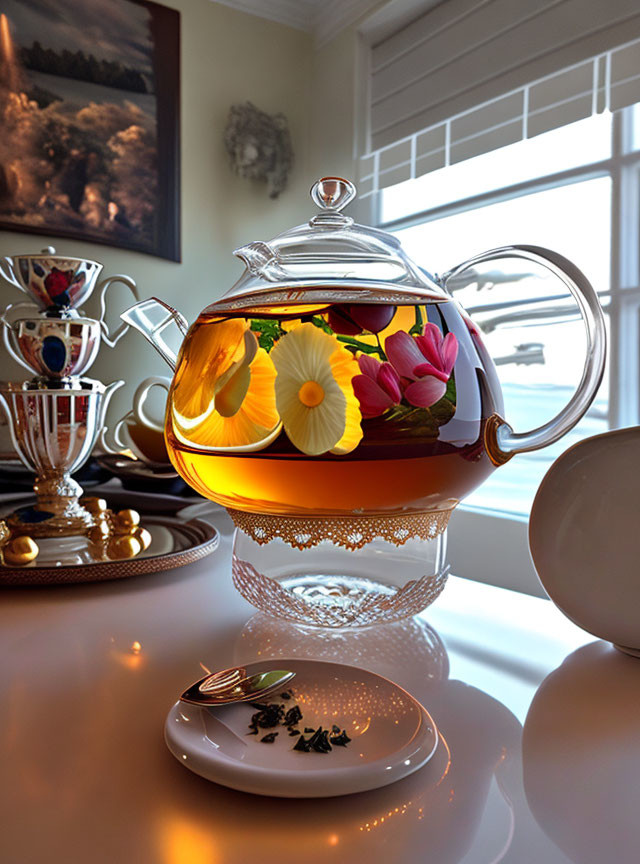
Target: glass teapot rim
{"points": [[317, 292]]}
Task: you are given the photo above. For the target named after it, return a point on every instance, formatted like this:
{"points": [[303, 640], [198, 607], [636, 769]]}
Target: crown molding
{"points": [[334, 16], [392, 16], [324, 19], [293, 13]]}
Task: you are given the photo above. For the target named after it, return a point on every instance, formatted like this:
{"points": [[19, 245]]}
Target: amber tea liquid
{"points": [[393, 469]]}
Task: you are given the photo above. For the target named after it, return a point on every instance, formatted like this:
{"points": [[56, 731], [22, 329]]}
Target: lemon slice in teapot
{"points": [[230, 405]]}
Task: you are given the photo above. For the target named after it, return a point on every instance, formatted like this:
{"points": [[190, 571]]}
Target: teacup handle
{"points": [[7, 332], [112, 338], [140, 397], [115, 444], [10, 274]]}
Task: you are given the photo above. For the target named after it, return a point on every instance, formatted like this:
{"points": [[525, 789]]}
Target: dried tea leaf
{"points": [[292, 717]]}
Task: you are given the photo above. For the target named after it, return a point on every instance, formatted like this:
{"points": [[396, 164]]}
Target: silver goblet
{"points": [[54, 426]]}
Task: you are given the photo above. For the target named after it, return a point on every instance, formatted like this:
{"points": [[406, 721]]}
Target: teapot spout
{"points": [[152, 318]]}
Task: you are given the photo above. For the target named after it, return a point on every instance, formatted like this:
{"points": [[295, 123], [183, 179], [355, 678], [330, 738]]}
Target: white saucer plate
{"points": [[392, 735]]}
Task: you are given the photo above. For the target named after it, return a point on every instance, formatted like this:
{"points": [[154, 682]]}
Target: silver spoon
{"points": [[234, 685]]}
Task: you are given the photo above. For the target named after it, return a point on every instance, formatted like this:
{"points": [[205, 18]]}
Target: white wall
{"points": [[227, 56], [332, 119]]}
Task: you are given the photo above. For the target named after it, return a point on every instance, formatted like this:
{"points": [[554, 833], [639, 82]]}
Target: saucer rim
{"points": [[308, 782]]}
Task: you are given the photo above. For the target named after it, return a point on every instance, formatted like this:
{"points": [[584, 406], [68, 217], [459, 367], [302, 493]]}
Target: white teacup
{"points": [[137, 431]]}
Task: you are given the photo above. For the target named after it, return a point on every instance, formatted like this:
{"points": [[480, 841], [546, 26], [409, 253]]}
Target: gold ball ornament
{"points": [[95, 506], [125, 546], [126, 521], [99, 532], [5, 532], [20, 551], [143, 536]]}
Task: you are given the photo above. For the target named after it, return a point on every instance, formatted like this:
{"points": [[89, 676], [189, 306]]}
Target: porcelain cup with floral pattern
{"points": [[59, 285]]}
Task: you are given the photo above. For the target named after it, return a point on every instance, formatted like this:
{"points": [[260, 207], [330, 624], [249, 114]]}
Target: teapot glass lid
{"points": [[328, 259]]}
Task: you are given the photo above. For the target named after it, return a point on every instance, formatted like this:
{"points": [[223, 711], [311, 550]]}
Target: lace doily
{"points": [[351, 532], [270, 596]]}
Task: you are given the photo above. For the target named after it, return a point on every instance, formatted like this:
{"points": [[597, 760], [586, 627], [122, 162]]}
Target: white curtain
{"points": [[473, 75]]}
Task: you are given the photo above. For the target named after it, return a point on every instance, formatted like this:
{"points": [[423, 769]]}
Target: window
{"points": [[575, 190]]}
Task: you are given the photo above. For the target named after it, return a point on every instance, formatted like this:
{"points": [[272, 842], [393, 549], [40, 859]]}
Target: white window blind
{"points": [[474, 75]]}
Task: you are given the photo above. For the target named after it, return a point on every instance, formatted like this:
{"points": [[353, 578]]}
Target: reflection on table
{"points": [[581, 756], [90, 672]]}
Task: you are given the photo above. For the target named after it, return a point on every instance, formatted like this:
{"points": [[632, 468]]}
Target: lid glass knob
{"points": [[332, 193]]}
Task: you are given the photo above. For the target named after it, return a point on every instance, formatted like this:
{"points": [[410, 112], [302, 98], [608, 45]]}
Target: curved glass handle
{"points": [[112, 338], [116, 444], [111, 439], [506, 442], [140, 397]]}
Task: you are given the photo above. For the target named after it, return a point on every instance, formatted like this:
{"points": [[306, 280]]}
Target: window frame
{"points": [[472, 552]]}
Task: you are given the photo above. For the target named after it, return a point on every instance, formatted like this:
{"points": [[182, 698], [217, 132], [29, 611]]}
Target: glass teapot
{"points": [[338, 398]]}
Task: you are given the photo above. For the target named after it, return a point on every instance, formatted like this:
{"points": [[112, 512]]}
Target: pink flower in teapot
{"points": [[418, 370]]}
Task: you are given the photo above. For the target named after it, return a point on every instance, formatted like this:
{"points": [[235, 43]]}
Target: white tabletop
{"points": [[89, 672]]}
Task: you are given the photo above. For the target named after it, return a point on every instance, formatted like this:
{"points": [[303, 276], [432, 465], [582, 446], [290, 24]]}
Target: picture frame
{"points": [[90, 111]]}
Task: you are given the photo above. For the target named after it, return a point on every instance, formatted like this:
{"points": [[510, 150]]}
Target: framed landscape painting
{"points": [[89, 122]]}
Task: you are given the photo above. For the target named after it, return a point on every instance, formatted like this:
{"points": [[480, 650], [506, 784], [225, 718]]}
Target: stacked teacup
{"points": [[56, 416]]}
